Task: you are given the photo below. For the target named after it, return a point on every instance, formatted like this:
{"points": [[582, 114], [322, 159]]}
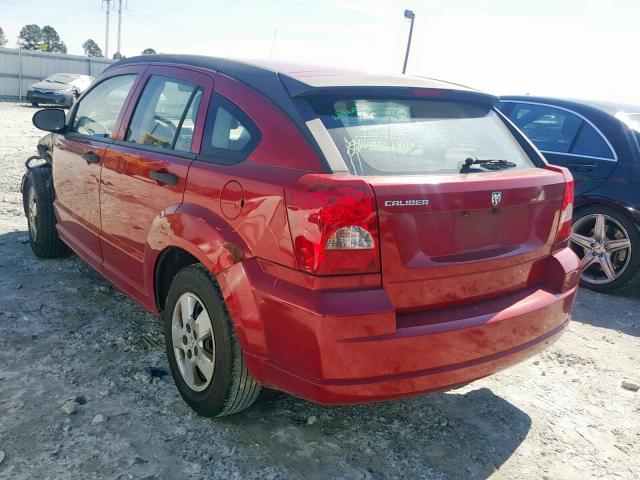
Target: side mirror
{"points": [[50, 120]]}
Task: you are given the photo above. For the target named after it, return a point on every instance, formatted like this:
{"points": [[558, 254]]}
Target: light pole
{"points": [[408, 14]]}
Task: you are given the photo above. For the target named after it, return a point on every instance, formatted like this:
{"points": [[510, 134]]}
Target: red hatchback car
{"points": [[339, 236]]}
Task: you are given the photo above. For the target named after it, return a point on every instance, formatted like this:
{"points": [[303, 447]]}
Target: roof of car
{"points": [[610, 108], [283, 83], [253, 72]]}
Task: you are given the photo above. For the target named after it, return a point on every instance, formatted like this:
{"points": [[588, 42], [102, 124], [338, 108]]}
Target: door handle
{"points": [[164, 177], [583, 167], [91, 157]]}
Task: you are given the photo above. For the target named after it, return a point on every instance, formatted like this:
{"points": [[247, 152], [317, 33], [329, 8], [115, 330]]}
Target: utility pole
{"points": [[409, 15], [106, 40], [119, 26]]}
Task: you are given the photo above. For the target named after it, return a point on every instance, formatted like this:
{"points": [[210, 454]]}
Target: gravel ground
{"points": [[84, 391]]}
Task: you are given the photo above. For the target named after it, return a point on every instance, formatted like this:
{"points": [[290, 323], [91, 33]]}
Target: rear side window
{"points": [[166, 114], [415, 137], [590, 143], [97, 113], [550, 129], [229, 134]]}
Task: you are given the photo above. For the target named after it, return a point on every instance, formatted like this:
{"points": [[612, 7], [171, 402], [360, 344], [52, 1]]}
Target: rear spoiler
{"points": [[412, 88]]}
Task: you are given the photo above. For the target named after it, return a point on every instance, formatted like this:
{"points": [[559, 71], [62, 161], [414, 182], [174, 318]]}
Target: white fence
{"points": [[20, 68]]}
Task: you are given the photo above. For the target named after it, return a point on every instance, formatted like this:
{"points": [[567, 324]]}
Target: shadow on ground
{"points": [[617, 311], [463, 435]]}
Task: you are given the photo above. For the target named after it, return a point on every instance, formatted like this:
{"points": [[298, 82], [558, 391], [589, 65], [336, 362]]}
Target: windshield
{"points": [[61, 78], [417, 137]]}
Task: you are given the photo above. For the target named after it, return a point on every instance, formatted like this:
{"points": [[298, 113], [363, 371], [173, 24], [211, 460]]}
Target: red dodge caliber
{"points": [[341, 236]]}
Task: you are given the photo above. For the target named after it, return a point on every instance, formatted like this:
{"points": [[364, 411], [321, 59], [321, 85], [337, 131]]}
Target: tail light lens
{"points": [[566, 213], [334, 225]]}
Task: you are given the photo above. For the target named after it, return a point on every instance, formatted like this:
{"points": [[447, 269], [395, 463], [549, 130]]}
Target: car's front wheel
{"points": [[204, 354], [608, 244], [38, 196]]}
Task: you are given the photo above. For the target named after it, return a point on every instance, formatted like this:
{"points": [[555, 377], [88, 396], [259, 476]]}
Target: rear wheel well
{"points": [[611, 205], [169, 263]]}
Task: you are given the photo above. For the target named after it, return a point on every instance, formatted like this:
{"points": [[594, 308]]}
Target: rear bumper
{"points": [[351, 346]]}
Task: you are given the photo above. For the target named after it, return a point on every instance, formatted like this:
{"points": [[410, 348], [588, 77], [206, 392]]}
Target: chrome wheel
{"points": [[192, 340], [603, 245], [33, 213]]}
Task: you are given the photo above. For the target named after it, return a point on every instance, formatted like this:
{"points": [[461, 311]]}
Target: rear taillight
{"points": [[566, 212], [334, 225]]}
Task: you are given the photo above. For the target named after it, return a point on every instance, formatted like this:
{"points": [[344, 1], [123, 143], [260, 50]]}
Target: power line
{"points": [[155, 23]]}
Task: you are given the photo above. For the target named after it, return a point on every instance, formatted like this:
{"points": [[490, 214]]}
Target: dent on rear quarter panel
{"points": [[198, 231]]}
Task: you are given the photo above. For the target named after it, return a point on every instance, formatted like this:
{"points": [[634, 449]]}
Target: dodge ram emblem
{"points": [[496, 198]]}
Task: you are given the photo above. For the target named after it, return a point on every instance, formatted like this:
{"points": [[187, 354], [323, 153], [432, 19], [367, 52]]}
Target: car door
{"points": [[145, 169], [568, 139], [78, 156]]}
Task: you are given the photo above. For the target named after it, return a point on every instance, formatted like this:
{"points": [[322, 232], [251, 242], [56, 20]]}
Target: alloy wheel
{"points": [[603, 245], [192, 340], [33, 213]]}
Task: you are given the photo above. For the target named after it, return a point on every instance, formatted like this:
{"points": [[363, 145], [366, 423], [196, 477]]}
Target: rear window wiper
{"points": [[489, 164]]}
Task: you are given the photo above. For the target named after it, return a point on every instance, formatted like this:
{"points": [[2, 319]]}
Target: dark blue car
{"points": [[600, 143]]}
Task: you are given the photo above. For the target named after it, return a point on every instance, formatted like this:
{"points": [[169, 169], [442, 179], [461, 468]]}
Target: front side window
{"points": [[416, 137], [166, 113], [97, 113]]}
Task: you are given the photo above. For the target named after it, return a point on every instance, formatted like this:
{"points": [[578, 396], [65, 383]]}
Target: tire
{"points": [[38, 196], [35, 104], [230, 388], [625, 262]]}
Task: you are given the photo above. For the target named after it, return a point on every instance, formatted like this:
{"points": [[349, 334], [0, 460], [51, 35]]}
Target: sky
{"points": [[564, 48]]}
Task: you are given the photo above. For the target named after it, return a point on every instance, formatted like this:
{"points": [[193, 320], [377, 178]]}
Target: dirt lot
{"points": [[67, 335]]}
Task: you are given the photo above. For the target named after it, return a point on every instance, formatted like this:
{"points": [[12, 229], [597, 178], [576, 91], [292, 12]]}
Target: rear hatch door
{"points": [[453, 238], [466, 208]]}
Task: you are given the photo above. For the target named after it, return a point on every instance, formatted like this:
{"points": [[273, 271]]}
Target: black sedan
{"points": [[59, 89], [600, 143]]}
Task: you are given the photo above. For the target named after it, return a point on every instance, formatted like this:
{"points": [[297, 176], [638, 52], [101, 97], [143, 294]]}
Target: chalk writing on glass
{"points": [[369, 114]]}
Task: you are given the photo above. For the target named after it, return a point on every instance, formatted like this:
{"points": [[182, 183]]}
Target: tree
{"points": [[118, 56], [51, 41], [3, 39], [30, 37], [149, 51], [91, 48]]}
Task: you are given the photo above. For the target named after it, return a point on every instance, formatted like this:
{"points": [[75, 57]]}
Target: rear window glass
{"points": [[416, 137]]}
